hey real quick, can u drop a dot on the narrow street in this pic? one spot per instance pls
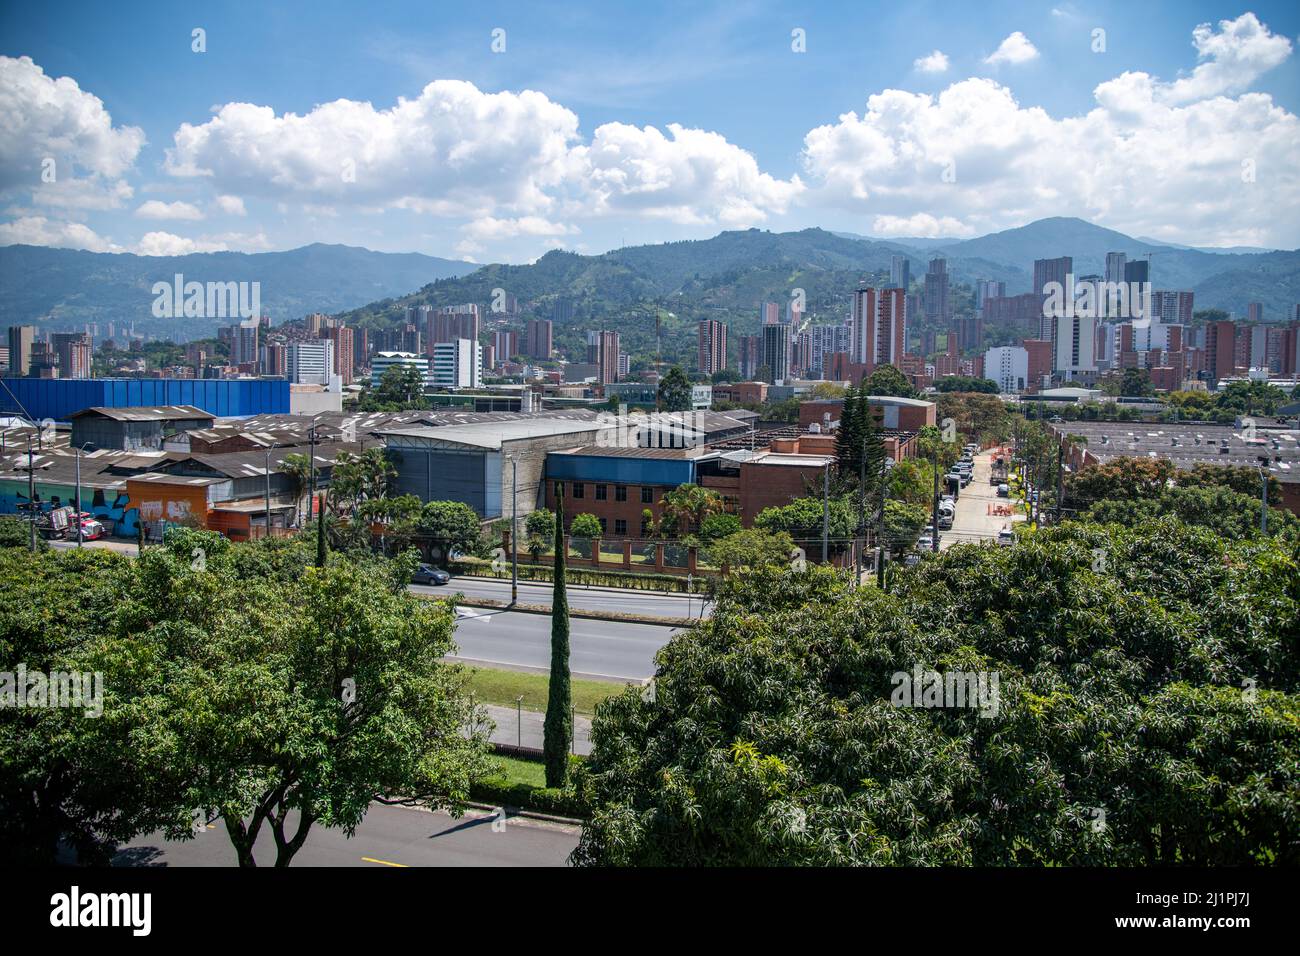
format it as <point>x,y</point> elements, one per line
<point>972,521</point>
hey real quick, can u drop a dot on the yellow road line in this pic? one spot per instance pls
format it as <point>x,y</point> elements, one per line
<point>371,859</point>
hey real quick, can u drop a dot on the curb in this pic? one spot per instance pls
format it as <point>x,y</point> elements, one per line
<point>545,609</point>
<point>526,814</point>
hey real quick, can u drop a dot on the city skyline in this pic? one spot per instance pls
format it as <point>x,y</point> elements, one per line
<point>443,135</point>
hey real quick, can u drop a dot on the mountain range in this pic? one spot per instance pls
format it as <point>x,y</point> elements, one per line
<point>723,277</point>
<point>67,288</point>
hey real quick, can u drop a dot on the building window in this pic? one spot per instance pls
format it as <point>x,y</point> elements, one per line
<point>620,527</point>
<point>579,490</point>
<point>602,525</point>
<point>620,492</point>
<point>647,496</point>
<point>602,492</point>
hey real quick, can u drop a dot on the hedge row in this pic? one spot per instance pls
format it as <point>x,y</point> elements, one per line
<point>476,567</point>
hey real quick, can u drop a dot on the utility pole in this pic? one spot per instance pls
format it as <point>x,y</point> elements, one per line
<point>880,529</point>
<point>77,516</point>
<point>268,492</point>
<point>1263,496</point>
<point>1060,478</point>
<point>311,460</point>
<point>934,508</point>
<point>826,513</point>
<point>514,530</point>
<point>31,493</point>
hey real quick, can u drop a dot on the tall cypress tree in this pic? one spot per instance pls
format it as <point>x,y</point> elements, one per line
<point>558,728</point>
<point>847,438</point>
<point>322,549</point>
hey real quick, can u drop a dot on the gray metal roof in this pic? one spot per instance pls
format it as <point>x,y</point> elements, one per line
<point>146,413</point>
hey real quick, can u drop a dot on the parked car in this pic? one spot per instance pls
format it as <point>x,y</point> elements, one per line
<point>945,520</point>
<point>428,574</point>
<point>1006,537</point>
<point>1003,491</point>
<point>925,542</point>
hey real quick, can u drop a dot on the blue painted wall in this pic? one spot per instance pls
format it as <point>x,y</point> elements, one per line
<point>622,471</point>
<point>60,398</point>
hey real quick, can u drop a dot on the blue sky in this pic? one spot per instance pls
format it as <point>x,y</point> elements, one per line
<point>644,125</point>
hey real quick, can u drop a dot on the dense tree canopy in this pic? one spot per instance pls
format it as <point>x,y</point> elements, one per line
<point>1146,712</point>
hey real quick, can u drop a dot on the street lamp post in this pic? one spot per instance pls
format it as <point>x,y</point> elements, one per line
<point>80,535</point>
<point>1263,495</point>
<point>268,493</point>
<point>514,530</point>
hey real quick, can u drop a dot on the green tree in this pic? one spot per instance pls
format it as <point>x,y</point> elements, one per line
<point>453,525</point>
<point>965,383</point>
<point>778,735</point>
<point>675,391</point>
<point>539,526</point>
<point>584,529</point>
<point>687,506</point>
<point>888,380</point>
<point>400,388</point>
<point>753,548</point>
<point>718,526</point>
<point>557,729</point>
<point>298,470</point>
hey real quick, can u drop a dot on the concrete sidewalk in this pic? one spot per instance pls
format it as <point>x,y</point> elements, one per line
<point>525,729</point>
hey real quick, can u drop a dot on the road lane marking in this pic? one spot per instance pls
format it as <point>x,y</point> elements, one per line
<point>371,859</point>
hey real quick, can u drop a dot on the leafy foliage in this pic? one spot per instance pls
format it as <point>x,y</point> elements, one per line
<point>1158,695</point>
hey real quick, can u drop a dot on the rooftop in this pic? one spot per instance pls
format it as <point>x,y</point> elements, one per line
<point>1189,444</point>
<point>145,413</point>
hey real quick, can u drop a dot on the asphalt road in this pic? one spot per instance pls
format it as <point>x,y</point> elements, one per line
<point>388,836</point>
<point>625,600</point>
<point>607,650</point>
<point>972,521</point>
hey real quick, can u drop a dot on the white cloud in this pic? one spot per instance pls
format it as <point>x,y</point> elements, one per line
<point>54,128</point>
<point>169,244</point>
<point>921,225</point>
<point>1015,49</point>
<point>455,151</point>
<point>230,205</point>
<point>696,177</point>
<point>491,228</point>
<point>1237,54</point>
<point>1136,162</point>
<point>936,62</point>
<point>156,209</point>
<point>39,231</point>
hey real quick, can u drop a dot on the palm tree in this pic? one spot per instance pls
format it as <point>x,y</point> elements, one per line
<point>688,505</point>
<point>298,470</point>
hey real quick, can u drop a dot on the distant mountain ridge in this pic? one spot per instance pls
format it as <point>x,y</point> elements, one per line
<point>67,288</point>
<point>723,277</point>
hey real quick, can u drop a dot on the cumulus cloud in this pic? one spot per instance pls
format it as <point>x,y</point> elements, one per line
<point>921,225</point>
<point>60,141</point>
<point>39,231</point>
<point>1015,49</point>
<point>457,151</point>
<point>156,209</point>
<point>692,177</point>
<point>230,205</point>
<point>1134,161</point>
<point>936,62</point>
<point>1235,56</point>
<point>169,244</point>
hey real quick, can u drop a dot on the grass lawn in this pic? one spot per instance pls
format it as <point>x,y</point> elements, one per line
<point>530,773</point>
<point>502,687</point>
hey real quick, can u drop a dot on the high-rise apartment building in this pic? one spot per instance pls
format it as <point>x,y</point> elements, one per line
<point>21,338</point>
<point>1220,350</point>
<point>712,346</point>
<point>539,342</point>
<point>900,273</point>
<point>751,356</point>
<point>937,307</point>
<point>776,351</point>
<point>1048,272</point>
<point>879,326</point>
<point>344,360</point>
<point>606,357</point>
<point>73,350</point>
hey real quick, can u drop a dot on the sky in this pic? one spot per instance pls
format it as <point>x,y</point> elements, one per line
<point>495,133</point>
